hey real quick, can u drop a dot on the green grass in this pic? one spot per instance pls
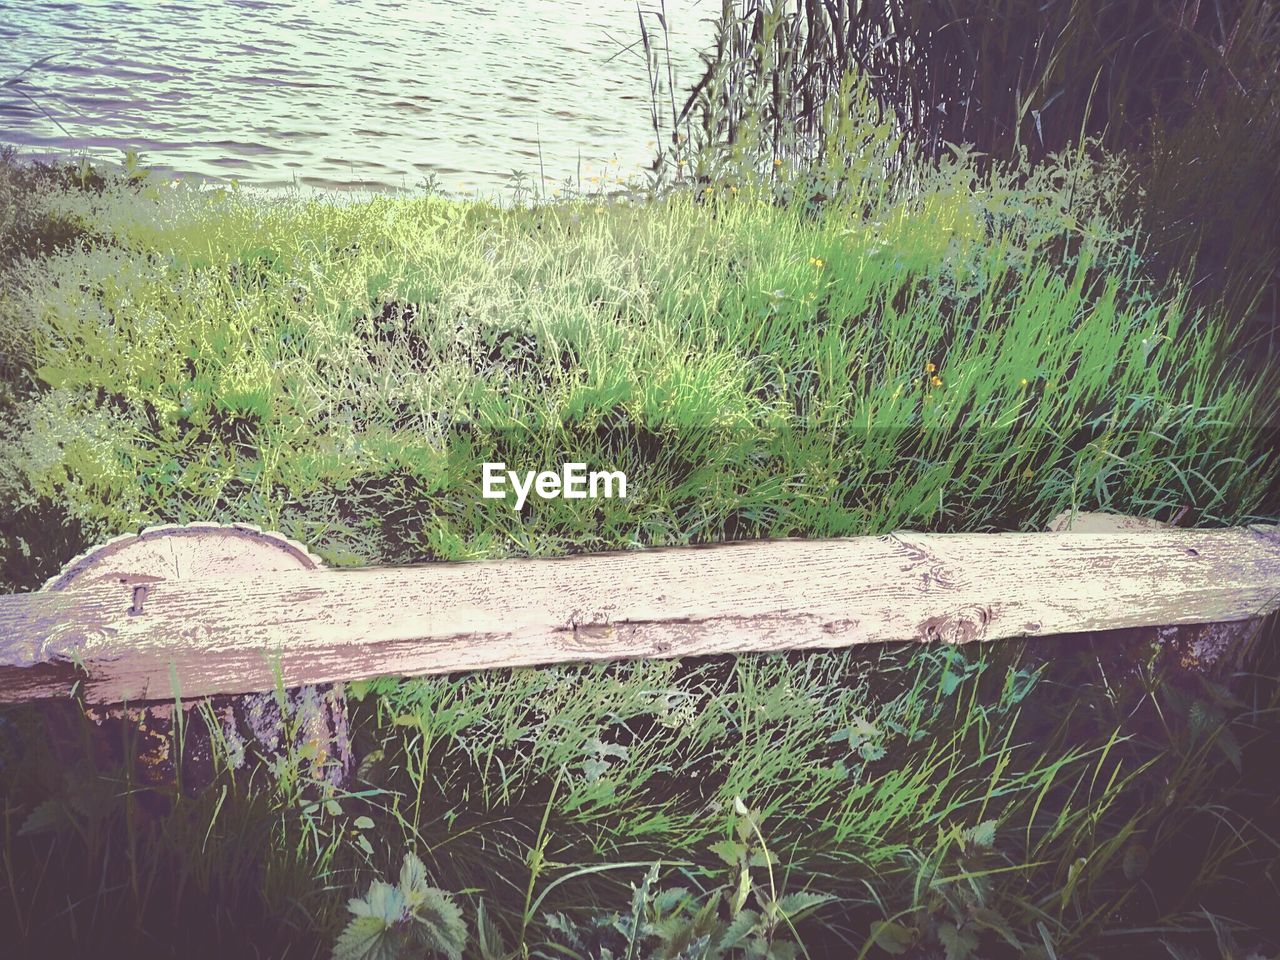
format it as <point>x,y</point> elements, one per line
<point>339,371</point>
<point>1018,797</point>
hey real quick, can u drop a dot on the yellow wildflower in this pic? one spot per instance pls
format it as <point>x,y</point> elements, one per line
<point>936,381</point>
<point>929,368</point>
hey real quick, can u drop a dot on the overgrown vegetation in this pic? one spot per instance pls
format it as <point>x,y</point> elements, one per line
<point>971,354</point>
<point>848,338</point>
<point>1014,801</point>
<point>1187,91</point>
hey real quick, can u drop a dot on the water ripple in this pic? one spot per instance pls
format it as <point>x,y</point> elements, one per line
<point>356,93</point>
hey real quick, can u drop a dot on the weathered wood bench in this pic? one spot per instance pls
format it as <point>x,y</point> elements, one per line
<point>185,613</point>
<point>197,610</point>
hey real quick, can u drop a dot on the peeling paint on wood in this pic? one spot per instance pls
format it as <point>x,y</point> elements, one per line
<point>228,633</point>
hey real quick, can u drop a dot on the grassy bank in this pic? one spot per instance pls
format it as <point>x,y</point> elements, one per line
<point>971,356</point>
<point>968,353</point>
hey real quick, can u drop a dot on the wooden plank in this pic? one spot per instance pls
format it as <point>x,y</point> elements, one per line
<point>237,634</point>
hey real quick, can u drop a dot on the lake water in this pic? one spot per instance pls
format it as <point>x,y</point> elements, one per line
<point>356,93</point>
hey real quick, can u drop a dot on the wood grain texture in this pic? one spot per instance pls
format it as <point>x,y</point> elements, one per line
<point>237,634</point>
<point>312,717</point>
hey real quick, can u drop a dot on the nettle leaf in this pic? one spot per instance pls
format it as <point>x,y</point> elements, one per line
<point>764,858</point>
<point>1202,718</point>
<point>559,923</point>
<point>730,851</point>
<point>488,936</point>
<point>616,750</point>
<point>857,733</point>
<point>738,930</point>
<point>413,874</point>
<point>368,764</point>
<point>1017,685</point>
<point>958,942</point>
<point>982,834</point>
<point>671,898</point>
<point>92,798</point>
<point>893,937</point>
<point>366,938</point>
<point>673,932</point>
<point>696,949</point>
<point>438,924</point>
<point>45,818</point>
<point>989,919</point>
<point>594,768</point>
<point>383,901</point>
<point>871,752</point>
<point>1230,747</point>
<point>794,904</point>
<point>1220,693</point>
<point>863,729</point>
<point>707,919</point>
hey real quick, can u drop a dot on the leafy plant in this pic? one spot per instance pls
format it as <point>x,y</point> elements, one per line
<point>746,917</point>
<point>409,919</point>
<point>1016,73</point>
<point>953,912</point>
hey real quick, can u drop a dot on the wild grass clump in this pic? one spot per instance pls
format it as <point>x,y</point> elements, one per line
<point>1000,77</point>
<point>972,355</point>
<point>1187,93</point>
